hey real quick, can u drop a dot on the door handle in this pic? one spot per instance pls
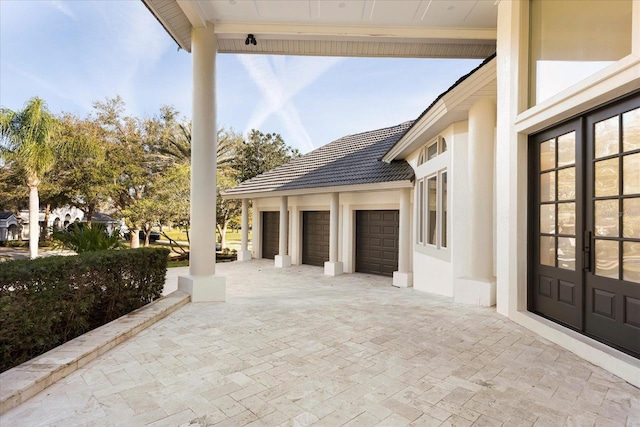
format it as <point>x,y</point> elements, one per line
<point>586,252</point>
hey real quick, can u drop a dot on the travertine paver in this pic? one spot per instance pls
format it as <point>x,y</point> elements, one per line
<point>293,347</point>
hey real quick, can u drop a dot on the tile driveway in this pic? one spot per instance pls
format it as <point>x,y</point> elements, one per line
<point>294,347</point>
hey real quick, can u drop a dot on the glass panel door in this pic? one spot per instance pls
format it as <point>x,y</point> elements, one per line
<point>612,285</point>
<point>557,247</point>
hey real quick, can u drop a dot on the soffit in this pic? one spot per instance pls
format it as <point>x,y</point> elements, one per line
<point>400,28</point>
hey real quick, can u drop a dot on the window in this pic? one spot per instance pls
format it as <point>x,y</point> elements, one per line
<point>431,202</point>
<point>571,41</point>
<point>432,150</point>
<point>443,203</point>
<point>432,209</point>
<point>431,195</point>
<point>420,215</point>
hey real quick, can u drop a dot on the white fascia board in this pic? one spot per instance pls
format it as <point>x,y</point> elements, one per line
<point>346,33</point>
<point>193,11</point>
<point>167,25</point>
<point>618,79</point>
<point>378,186</point>
<point>444,112</point>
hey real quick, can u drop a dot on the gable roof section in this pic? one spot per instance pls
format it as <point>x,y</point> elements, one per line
<point>6,215</point>
<point>447,108</point>
<point>349,161</point>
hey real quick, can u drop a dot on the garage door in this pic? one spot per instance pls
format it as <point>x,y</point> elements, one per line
<point>377,242</point>
<point>315,237</point>
<point>270,234</point>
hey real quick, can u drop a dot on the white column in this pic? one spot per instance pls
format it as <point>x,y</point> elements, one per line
<point>482,121</point>
<point>479,286</point>
<point>404,276</point>
<point>244,254</point>
<point>283,259</point>
<point>511,158</point>
<point>201,282</point>
<point>333,267</point>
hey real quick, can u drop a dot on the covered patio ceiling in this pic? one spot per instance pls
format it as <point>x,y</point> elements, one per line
<point>372,28</point>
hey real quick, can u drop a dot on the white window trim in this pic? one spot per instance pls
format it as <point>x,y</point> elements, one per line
<point>429,169</point>
<point>419,203</point>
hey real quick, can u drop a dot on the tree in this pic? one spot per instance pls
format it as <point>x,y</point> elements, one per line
<point>176,147</point>
<point>226,210</point>
<point>176,152</point>
<point>29,143</point>
<point>171,194</point>
<point>13,193</point>
<point>261,153</point>
<point>132,144</point>
<point>88,182</point>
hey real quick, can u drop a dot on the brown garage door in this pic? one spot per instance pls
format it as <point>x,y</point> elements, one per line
<point>270,234</point>
<point>315,237</point>
<point>377,242</point>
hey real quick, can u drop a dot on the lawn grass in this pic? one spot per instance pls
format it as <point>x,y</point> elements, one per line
<point>175,234</point>
<point>181,236</point>
<point>181,263</point>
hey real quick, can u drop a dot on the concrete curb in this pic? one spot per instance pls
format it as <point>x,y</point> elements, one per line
<point>28,379</point>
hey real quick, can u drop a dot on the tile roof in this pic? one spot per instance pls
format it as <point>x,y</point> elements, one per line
<point>350,160</point>
<point>101,217</point>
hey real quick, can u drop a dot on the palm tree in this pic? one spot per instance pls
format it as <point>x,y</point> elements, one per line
<point>28,141</point>
<point>178,147</point>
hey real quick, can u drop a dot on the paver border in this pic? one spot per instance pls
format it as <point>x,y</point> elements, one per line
<point>28,379</point>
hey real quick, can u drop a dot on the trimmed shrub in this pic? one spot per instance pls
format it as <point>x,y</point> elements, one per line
<point>47,301</point>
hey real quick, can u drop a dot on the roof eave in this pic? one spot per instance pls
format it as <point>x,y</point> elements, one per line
<point>443,110</point>
<point>375,186</point>
<point>183,42</point>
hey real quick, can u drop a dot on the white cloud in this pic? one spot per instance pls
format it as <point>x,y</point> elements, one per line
<point>280,79</point>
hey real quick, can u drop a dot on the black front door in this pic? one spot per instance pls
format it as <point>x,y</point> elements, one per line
<point>585,224</point>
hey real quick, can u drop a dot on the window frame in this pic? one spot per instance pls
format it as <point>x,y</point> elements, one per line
<point>435,169</point>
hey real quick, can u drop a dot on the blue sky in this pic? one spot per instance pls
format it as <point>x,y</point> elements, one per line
<point>74,53</point>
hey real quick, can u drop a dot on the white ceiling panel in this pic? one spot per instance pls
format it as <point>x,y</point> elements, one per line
<point>234,11</point>
<point>461,14</point>
<point>283,11</point>
<point>376,27</point>
<point>344,12</point>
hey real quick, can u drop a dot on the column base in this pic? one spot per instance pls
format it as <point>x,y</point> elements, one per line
<point>244,255</point>
<point>283,261</point>
<point>402,280</point>
<point>480,292</point>
<point>333,268</point>
<point>204,288</point>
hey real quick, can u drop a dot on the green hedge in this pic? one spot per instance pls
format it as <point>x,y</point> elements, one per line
<point>48,301</point>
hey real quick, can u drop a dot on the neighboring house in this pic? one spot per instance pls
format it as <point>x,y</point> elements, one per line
<point>60,218</point>
<point>8,226</point>
<point>547,224</point>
